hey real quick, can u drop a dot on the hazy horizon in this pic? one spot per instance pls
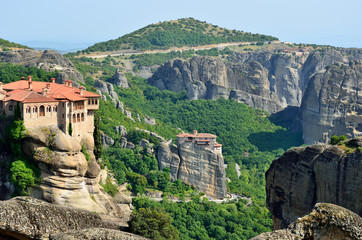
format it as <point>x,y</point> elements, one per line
<point>79,24</point>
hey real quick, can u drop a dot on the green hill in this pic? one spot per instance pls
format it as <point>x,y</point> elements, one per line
<point>178,33</point>
<point>4,44</point>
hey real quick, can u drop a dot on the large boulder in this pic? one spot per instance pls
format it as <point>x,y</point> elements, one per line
<point>326,221</point>
<point>25,217</point>
<point>303,176</point>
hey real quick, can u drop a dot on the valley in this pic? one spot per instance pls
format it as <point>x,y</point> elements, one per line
<point>260,97</point>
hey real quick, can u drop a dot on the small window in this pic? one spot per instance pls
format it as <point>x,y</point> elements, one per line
<point>63,116</point>
<point>82,117</point>
<point>96,101</point>
<point>35,109</point>
<point>89,102</point>
<point>92,101</point>
<point>78,117</point>
<point>49,108</point>
<point>55,109</point>
<point>27,109</point>
<point>63,105</point>
<point>11,108</point>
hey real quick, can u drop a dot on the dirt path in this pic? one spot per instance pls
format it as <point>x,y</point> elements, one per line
<point>131,52</point>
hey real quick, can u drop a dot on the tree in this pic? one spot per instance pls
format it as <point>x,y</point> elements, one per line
<point>22,176</point>
<point>98,147</point>
<point>154,224</point>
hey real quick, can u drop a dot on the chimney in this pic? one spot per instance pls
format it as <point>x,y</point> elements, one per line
<point>66,83</point>
<point>44,92</point>
<point>81,88</point>
<point>22,78</point>
<point>195,132</point>
<point>52,80</point>
<point>30,83</point>
<point>70,83</point>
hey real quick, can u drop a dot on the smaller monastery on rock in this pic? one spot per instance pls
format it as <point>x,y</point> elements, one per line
<point>205,140</point>
<point>50,104</point>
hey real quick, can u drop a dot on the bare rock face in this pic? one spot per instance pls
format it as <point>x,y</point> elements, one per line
<point>119,79</point>
<point>26,217</point>
<point>326,221</point>
<point>96,233</point>
<point>194,165</point>
<point>48,60</point>
<point>306,175</point>
<point>212,78</point>
<point>332,104</point>
<point>67,178</point>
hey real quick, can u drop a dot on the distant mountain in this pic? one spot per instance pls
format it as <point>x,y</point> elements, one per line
<point>61,47</point>
<point>177,33</point>
<point>4,44</point>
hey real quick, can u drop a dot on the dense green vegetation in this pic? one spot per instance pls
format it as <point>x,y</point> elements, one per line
<point>10,73</point>
<point>153,224</point>
<point>182,32</point>
<point>5,44</point>
<point>203,219</point>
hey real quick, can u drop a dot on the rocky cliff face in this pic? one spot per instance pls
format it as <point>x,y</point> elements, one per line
<point>332,103</point>
<point>306,175</point>
<point>194,165</point>
<point>274,81</point>
<point>68,178</point>
<point>48,60</point>
<point>29,218</point>
<point>326,221</point>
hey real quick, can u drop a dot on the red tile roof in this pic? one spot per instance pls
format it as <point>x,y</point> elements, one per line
<point>19,91</point>
<point>197,135</point>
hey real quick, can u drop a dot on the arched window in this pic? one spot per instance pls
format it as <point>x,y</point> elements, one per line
<point>49,108</point>
<point>27,109</point>
<point>92,101</point>
<point>78,117</point>
<point>41,111</point>
<point>82,117</point>
<point>96,102</point>
<point>89,102</point>
<point>55,109</point>
<point>35,109</point>
<point>74,118</point>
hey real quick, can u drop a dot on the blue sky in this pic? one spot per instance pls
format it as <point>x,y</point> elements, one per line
<point>337,23</point>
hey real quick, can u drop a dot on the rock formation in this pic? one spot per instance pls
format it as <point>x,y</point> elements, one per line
<point>304,176</point>
<point>29,218</point>
<point>119,79</point>
<point>194,165</point>
<point>326,221</point>
<point>274,81</point>
<point>332,103</point>
<point>68,178</point>
<point>48,60</point>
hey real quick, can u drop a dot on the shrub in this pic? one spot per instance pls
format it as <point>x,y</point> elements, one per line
<point>22,176</point>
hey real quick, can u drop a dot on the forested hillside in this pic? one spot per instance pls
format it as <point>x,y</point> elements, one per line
<point>178,33</point>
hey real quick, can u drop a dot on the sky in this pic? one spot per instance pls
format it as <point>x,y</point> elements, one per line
<point>75,23</point>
